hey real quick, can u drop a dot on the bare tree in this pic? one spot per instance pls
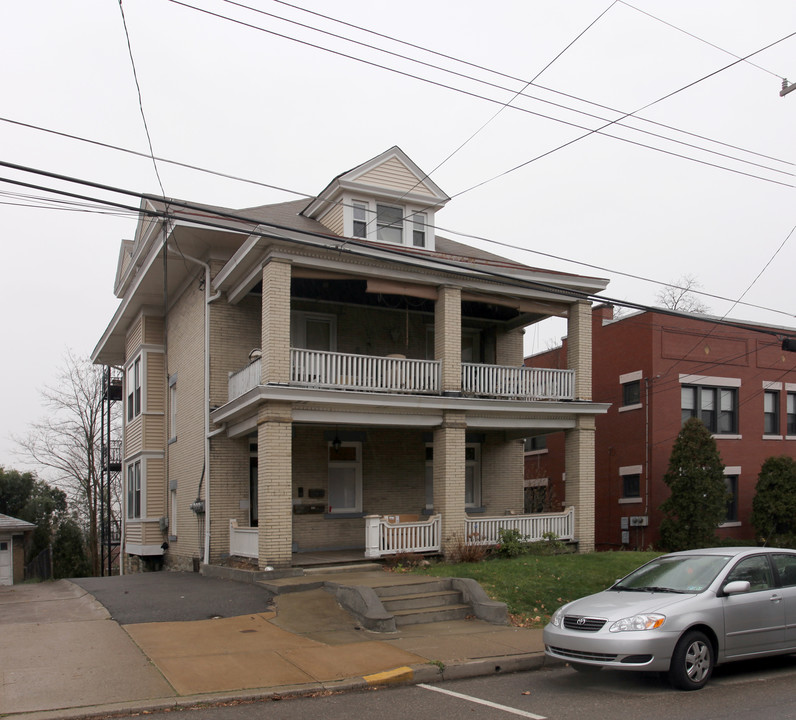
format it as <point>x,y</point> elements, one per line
<point>67,444</point>
<point>680,295</point>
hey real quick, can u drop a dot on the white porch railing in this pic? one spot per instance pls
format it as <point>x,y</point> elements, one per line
<point>242,381</point>
<point>316,368</point>
<point>486,530</point>
<point>517,382</point>
<point>243,541</point>
<point>383,537</point>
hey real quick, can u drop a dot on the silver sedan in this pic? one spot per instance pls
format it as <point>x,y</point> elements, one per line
<point>683,614</point>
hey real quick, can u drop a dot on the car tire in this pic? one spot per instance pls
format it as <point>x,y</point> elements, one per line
<point>586,669</point>
<point>692,661</point>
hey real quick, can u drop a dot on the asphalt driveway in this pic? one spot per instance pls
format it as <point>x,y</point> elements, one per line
<point>175,597</point>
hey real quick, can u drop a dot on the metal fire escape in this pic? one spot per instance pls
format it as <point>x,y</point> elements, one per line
<point>110,471</point>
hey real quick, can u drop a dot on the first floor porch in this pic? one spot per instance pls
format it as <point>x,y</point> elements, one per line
<point>387,535</point>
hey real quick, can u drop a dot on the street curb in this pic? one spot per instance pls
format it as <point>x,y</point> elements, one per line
<point>407,675</point>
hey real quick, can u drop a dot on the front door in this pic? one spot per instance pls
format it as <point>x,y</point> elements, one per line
<point>6,574</point>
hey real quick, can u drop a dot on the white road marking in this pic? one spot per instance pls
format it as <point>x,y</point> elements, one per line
<point>505,708</point>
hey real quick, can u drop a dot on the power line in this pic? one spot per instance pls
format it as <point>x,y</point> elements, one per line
<point>645,107</point>
<point>696,37</point>
<point>472,94</point>
<point>513,78</point>
<point>457,233</point>
<point>140,99</point>
<point>176,163</point>
<point>201,215</point>
<point>496,114</point>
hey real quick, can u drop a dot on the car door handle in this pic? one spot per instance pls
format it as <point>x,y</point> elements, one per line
<point>775,597</point>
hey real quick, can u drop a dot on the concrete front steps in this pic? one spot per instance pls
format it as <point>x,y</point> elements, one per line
<point>433,601</point>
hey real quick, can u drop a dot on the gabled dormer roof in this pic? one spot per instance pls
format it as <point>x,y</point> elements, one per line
<point>392,175</point>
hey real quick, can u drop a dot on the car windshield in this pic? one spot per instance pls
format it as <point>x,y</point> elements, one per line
<point>675,574</point>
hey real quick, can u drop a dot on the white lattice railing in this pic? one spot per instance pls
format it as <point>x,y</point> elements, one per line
<point>517,382</point>
<point>243,541</point>
<point>317,368</point>
<point>383,537</point>
<point>486,530</point>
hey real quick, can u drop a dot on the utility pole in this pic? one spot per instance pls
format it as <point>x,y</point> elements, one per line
<point>786,88</point>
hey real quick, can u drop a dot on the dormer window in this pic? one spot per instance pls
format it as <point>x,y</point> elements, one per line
<point>393,224</point>
<point>360,228</point>
<point>389,224</point>
<point>419,229</point>
<point>387,199</point>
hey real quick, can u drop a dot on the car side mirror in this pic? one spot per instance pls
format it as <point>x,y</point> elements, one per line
<point>736,587</point>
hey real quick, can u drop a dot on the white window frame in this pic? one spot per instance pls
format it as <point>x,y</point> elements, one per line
<point>419,228</point>
<point>397,226</point>
<point>359,208</point>
<point>413,217</point>
<point>356,465</point>
<point>134,395</point>
<point>134,473</point>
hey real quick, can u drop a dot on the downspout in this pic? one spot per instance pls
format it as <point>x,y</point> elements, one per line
<point>208,299</point>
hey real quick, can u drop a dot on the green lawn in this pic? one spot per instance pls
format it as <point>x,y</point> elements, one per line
<point>533,586</point>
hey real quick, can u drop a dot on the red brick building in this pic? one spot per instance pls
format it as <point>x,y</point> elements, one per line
<point>657,370</point>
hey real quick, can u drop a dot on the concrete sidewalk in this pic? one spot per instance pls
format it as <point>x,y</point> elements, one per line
<point>65,657</point>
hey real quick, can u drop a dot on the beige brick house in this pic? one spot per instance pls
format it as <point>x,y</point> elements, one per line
<point>333,375</point>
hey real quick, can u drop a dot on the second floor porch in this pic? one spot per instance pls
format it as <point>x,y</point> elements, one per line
<point>397,374</point>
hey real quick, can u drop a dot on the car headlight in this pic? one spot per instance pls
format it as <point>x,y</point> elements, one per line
<point>648,621</point>
<point>557,618</point>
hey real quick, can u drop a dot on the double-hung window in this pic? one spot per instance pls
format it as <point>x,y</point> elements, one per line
<point>419,229</point>
<point>134,490</point>
<point>716,407</point>
<point>389,224</point>
<point>771,412</point>
<point>791,411</point>
<point>134,389</point>
<point>360,227</point>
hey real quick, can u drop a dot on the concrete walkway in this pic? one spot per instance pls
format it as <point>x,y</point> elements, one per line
<point>64,656</point>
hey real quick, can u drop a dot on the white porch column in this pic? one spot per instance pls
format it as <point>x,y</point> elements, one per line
<point>449,480</point>
<point>448,337</point>
<point>274,483</point>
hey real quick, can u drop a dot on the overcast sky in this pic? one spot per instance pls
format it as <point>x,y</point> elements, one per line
<point>706,189</point>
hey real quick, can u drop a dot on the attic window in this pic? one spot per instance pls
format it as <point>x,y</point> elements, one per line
<point>389,224</point>
<point>419,229</point>
<point>360,220</point>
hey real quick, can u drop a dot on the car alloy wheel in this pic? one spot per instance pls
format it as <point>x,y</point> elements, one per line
<point>692,661</point>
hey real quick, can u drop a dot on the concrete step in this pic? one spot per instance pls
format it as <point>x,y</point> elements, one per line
<point>425,586</point>
<point>431,615</point>
<point>348,567</point>
<point>419,601</point>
